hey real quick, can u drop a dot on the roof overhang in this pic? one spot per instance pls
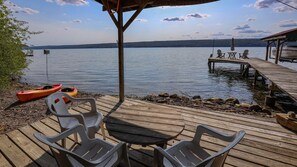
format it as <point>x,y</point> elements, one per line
<point>288,35</point>
<point>131,5</point>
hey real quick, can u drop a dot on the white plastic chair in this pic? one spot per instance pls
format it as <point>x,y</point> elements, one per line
<point>89,152</point>
<point>92,121</point>
<point>190,153</point>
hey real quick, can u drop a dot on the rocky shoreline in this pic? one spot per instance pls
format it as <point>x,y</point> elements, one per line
<point>227,105</point>
<point>14,114</point>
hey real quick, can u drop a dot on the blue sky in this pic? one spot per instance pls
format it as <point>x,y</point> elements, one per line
<point>83,21</point>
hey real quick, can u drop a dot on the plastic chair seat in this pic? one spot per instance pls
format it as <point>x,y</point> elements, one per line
<point>191,154</point>
<point>89,152</point>
<point>187,153</point>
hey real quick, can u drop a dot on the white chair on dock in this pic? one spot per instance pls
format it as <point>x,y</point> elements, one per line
<point>244,55</point>
<point>89,152</point>
<point>191,154</point>
<point>92,121</point>
<point>220,54</point>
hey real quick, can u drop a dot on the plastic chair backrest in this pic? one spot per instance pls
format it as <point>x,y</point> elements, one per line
<point>57,106</point>
<point>218,159</point>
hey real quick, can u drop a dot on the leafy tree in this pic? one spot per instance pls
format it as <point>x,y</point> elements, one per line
<point>13,33</point>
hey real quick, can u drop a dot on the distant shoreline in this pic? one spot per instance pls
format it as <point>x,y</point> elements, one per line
<point>158,44</point>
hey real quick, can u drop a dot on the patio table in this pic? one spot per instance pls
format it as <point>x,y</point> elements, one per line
<point>232,54</point>
<point>145,126</point>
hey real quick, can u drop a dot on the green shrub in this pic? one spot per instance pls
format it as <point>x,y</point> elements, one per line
<point>13,33</point>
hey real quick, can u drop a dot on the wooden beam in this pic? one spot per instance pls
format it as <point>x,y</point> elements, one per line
<point>267,50</point>
<point>277,51</point>
<point>121,53</point>
<point>105,4</point>
<point>275,38</point>
<point>127,5</point>
<point>255,78</point>
<point>136,13</point>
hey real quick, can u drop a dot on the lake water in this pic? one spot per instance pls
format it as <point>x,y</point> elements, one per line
<point>147,71</point>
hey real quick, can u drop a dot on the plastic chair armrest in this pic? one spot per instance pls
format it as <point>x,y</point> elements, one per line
<point>92,102</point>
<point>205,129</point>
<point>79,117</point>
<point>66,133</point>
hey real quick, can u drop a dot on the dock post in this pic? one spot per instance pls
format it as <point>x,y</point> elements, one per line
<point>209,65</point>
<point>213,66</point>
<point>255,78</point>
<point>272,88</point>
<point>241,67</point>
<point>269,101</point>
<point>245,72</point>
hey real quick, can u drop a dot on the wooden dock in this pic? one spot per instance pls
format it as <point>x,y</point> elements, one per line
<point>265,144</point>
<point>282,77</point>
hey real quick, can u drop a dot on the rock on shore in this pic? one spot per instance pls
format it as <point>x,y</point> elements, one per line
<point>228,105</point>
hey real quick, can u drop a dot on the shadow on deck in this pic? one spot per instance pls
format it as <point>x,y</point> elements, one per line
<point>265,144</point>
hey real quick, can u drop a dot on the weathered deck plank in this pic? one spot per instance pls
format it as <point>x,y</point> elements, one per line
<point>33,151</point>
<point>15,155</point>
<point>266,142</point>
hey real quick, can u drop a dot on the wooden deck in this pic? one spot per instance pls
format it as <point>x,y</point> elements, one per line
<point>265,144</point>
<point>284,78</point>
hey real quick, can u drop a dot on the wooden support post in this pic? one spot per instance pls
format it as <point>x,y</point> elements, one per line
<point>241,67</point>
<point>141,7</point>
<point>269,101</point>
<point>245,72</point>
<point>255,78</point>
<point>267,50</point>
<point>213,66</point>
<point>277,51</point>
<point>121,53</point>
<point>271,88</point>
<point>209,66</point>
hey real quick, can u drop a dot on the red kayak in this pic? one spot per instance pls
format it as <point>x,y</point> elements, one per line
<point>27,95</point>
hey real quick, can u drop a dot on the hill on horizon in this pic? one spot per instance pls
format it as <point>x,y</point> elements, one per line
<point>175,43</point>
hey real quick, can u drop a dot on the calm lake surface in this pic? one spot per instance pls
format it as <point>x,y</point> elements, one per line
<point>147,70</point>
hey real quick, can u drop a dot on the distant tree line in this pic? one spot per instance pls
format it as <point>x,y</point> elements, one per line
<point>180,43</point>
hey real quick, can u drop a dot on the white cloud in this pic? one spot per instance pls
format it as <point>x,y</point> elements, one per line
<point>250,31</point>
<point>275,5</point>
<point>188,16</point>
<point>58,34</point>
<point>173,19</point>
<point>281,9</point>
<point>260,4</point>
<point>77,21</point>
<point>69,2</point>
<point>218,34</point>
<point>251,19</point>
<point>141,20</point>
<point>172,7</point>
<point>288,23</point>
<point>242,27</point>
<point>15,8</point>
<point>197,15</point>
<point>248,5</point>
